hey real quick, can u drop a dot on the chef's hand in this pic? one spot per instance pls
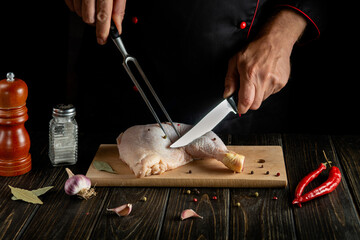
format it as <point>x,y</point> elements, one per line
<point>263,67</point>
<point>99,13</point>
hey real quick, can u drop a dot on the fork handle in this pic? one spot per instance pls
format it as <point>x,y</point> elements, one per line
<point>114,33</point>
<point>115,36</point>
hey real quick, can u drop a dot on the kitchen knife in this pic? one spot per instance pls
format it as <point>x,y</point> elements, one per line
<point>208,122</point>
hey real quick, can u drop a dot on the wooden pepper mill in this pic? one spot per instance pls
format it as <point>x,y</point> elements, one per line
<point>14,139</point>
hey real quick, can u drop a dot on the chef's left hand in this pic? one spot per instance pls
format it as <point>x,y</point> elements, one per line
<point>263,67</point>
<point>100,13</point>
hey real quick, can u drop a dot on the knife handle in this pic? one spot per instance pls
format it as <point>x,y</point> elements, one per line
<point>232,101</point>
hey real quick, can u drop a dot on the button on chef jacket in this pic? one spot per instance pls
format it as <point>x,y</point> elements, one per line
<point>184,48</point>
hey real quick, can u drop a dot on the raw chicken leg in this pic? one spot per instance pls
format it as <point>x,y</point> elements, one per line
<point>145,149</point>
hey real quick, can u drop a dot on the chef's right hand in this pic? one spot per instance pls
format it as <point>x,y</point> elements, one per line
<point>99,13</point>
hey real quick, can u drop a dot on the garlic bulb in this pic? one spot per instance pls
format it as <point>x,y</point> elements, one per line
<point>79,185</point>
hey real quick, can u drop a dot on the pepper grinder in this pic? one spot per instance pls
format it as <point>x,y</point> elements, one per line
<point>14,139</point>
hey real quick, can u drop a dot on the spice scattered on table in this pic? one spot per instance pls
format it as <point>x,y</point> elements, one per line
<point>267,173</point>
<point>277,174</point>
<point>252,172</point>
<point>262,166</point>
<point>196,191</point>
<point>188,213</point>
<point>261,161</point>
<point>189,172</point>
<point>122,211</point>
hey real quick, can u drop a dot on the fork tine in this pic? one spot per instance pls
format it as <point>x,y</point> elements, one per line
<point>127,58</point>
<point>143,95</point>
<point>155,95</point>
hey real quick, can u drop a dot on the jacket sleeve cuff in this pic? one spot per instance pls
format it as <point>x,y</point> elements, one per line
<point>312,31</point>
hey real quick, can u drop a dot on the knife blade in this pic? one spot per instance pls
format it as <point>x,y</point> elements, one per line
<point>208,122</point>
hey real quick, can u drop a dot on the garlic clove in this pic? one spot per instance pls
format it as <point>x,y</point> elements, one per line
<point>188,213</point>
<point>123,210</point>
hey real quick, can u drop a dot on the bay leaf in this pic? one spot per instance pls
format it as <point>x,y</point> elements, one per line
<point>103,166</point>
<point>25,195</point>
<point>38,192</point>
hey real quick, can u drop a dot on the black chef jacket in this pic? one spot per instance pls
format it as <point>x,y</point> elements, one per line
<point>184,48</point>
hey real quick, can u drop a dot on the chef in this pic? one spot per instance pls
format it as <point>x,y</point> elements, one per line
<point>198,51</point>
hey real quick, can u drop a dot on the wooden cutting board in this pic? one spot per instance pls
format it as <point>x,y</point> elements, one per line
<point>204,173</point>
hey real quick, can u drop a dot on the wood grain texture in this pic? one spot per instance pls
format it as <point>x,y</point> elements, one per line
<point>260,217</point>
<point>322,217</point>
<point>144,221</point>
<point>215,222</point>
<point>348,151</point>
<point>333,216</point>
<point>205,172</point>
<point>16,215</point>
<point>63,216</point>
<point>69,217</point>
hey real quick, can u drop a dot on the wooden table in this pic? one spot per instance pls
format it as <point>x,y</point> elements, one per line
<point>334,216</point>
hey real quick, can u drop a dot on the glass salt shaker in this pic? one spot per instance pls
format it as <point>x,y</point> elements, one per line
<point>63,136</point>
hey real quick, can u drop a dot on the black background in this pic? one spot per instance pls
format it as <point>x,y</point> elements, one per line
<point>37,44</point>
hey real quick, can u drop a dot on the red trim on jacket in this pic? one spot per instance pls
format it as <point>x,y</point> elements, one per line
<point>257,5</point>
<point>286,5</point>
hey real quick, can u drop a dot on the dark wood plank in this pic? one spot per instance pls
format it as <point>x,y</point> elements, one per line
<point>16,215</point>
<point>332,216</point>
<point>65,217</point>
<point>262,216</point>
<point>68,217</point>
<point>145,220</point>
<point>348,150</point>
<point>214,224</point>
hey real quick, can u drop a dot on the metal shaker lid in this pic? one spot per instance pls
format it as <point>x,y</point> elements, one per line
<point>64,110</point>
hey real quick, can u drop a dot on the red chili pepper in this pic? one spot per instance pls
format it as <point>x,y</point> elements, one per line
<point>327,187</point>
<point>307,179</point>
